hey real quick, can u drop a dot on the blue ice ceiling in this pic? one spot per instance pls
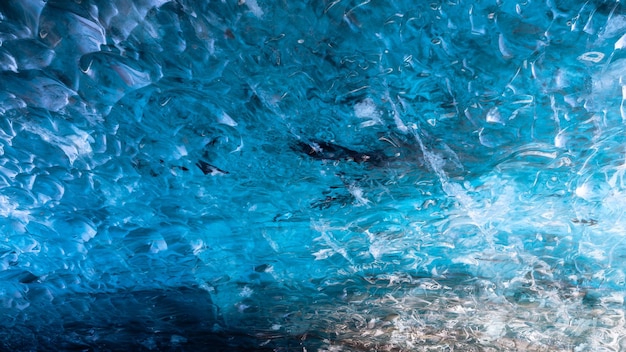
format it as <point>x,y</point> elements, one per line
<point>312,175</point>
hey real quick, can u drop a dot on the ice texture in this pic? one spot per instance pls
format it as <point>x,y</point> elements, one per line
<point>312,175</point>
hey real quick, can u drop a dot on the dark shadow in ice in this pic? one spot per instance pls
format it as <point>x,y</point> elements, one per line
<point>209,169</point>
<point>322,150</point>
<point>175,319</point>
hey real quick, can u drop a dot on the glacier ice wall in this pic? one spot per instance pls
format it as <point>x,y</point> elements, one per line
<point>316,175</point>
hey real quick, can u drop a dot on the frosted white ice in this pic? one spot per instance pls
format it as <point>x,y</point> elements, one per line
<point>368,111</point>
<point>254,7</point>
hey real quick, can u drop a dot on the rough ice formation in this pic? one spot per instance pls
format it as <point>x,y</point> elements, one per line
<point>324,175</point>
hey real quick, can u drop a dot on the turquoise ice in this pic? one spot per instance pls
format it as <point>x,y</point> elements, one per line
<point>312,175</point>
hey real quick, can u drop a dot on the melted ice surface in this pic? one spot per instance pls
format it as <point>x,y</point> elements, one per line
<point>333,175</point>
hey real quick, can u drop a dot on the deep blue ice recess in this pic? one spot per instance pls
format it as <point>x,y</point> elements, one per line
<point>312,175</point>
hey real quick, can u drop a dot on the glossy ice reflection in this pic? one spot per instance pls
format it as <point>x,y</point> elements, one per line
<point>340,175</point>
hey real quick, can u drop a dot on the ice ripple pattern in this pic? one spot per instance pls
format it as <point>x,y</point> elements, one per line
<point>324,175</point>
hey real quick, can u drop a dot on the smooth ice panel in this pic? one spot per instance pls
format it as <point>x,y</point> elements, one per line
<point>319,176</point>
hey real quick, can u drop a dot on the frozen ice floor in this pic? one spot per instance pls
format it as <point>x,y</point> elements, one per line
<point>312,175</point>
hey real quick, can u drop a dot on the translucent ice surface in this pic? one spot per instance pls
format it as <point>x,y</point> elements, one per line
<point>339,175</point>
